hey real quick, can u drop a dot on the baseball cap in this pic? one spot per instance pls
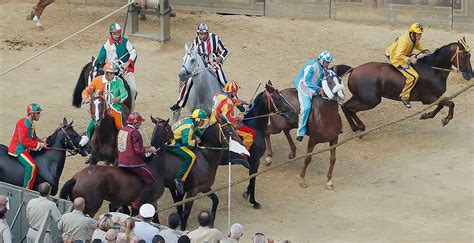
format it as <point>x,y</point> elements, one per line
<point>147,210</point>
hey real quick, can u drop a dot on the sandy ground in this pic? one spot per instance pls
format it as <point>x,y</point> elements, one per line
<point>410,182</point>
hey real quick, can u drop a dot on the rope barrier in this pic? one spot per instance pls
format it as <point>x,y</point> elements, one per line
<point>65,39</point>
<point>318,151</point>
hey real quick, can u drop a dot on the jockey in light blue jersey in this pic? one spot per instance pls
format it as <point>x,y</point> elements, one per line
<point>308,83</point>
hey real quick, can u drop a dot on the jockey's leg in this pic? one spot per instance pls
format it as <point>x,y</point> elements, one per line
<point>183,94</point>
<point>188,157</point>
<point>149,180</point>
<point>29,165</point>
<point>130,79</point>
<point>247,134</point>
<point>221,76</point>
<point>117,119</point>
<point>305,109</point>
<point>90,129</point>
<point>411,77</point>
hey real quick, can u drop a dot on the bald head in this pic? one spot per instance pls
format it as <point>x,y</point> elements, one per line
<point>44,189</point>
<point>111,235</point>
<point>79,204</point>
<point>3,200</point>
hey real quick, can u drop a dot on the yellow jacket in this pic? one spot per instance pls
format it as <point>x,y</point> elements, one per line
<point>400,50</point>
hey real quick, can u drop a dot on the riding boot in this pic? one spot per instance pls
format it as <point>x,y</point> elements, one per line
<point>175,107</point>
<point>179,186</point>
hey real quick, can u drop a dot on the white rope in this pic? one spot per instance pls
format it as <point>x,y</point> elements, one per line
<point>65,39</point>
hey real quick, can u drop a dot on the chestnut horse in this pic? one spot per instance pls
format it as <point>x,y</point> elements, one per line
<point>370,82</point>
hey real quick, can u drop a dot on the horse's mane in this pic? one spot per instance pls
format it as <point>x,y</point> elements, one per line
<point>438,56</point>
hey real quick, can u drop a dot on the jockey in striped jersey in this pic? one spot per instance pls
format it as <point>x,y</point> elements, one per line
<point>214,52</point>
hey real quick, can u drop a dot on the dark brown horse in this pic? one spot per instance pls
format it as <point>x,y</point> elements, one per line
<point>324,126</point>
<point>370,82</point>
<point>98,183</point>
<point>104,139</point>
<point>203,174</point>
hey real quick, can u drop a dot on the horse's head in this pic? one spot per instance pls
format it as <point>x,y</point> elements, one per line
<point>190,64</point>
<point>98,109</point>
<point>461,58</point>
<point>333,88</point>
<point>68,138</point>
<point>277,102</point>
<point>162,132</point>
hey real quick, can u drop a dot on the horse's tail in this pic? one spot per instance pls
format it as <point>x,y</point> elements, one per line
<point>341,70</point>
<point>80,86</point>
<point>66,191</point>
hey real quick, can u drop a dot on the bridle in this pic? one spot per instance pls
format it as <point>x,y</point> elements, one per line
<point>96,103</point>
<point>67,139</point>
<point>190,74</point>
<point>271,104</point>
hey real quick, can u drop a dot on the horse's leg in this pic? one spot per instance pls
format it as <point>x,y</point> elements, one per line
<point>215,203</point>
<point>332,163</point>
<point>187,211</point>
<point>250,193</point>
<point>348,113</point>
<point>291,155</point>
<point>440,106</point>
<point>355,105</point>
<point>177,198</point>
<point>39,8</point>
<point>311,144</point>
<point>268,160</point>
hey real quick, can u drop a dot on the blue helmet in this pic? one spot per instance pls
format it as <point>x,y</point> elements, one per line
<point>325,56</point>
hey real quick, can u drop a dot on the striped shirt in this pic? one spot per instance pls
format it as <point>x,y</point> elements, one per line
<point>213,45</point>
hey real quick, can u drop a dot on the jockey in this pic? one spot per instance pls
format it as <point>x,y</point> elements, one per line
<point>23,140</point>
<point>308,83</point>
<point>113,89</point>
<point>214,52</point>
<point>119,47</point>
<point>399,54</point>
<point>186,137</point>
<point>131,153</point>
<point>224,104</point>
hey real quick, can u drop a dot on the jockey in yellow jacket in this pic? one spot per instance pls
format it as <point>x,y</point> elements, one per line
<point>224,104</point>
<point>399,54</point>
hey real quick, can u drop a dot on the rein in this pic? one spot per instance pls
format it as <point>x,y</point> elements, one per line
<point>73,151</point>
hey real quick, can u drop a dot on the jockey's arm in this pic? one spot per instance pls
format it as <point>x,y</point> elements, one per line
<point>222,50</point>
<point>25,140</point>
<point>228,111</point>
<point>399,56</point>
<point>309,72</point>
<point>123,92</point>
<point>86,93</point>
<point>187,138</point>
<point>133,54</point>
<point>137,142</point>
<point>101,57</point>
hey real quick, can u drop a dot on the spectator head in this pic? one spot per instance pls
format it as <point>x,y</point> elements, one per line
<point>44,189</point>
<point>105,223</point>
<point>67,238</point>
<point>205,218</point>
<point>3,211</point>
<point>259,238</point>
<point>158,239</point>
<point>236,231</point>
<point>147,211</point>
<point>129,225</point>
<point>79,204</point>
<point>184,239</point>
<point>111,236</point>
<point>173,220</point>
<point>141,241</point>
<point>4,202</point>
<point>96,241</point>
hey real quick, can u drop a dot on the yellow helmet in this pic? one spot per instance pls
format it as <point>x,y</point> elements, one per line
<point>231,86</point>
<point>416,28</point>
<point>199,114</point>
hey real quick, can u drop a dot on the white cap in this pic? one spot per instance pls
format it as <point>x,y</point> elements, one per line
<point>147,210</point>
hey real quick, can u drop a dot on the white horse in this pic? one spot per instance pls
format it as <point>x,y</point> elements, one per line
<point>202,81</point>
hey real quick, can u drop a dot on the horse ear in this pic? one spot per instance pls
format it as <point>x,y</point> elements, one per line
<point>269,87</point>
<point>153,119</point>
<point>70,124</point>
<point>167,121</point>
<point>270,82</point>
<point>64,121</point>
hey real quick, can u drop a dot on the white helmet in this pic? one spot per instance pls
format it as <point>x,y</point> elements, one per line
<point>202,28</point>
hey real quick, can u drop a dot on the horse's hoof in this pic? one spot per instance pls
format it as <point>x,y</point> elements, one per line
<point>329,186</point>
<point>445,121</point>
<point>291,155</point>
<point>424,116</point>
<point>245,195</point>
<point>257,205</point>
<point>268,161</point>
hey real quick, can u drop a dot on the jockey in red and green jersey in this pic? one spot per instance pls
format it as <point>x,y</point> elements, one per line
<point>119,47</point>
<point>23,140</point>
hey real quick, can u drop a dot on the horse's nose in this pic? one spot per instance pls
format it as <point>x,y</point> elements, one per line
<point>467,75</point>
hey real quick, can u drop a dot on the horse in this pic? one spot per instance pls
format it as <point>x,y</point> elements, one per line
<point>324,125</point>
<point>97,183</point>
<point>370,82</point>
<point>267,103</point>
<point>38,10</point>
<point>49,161</point>
<point>104,139</point>
<point>202,175</point>
<point>85,78</point>
<point>203,84</point>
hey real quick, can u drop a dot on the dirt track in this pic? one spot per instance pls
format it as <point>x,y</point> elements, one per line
<point>410,182</point>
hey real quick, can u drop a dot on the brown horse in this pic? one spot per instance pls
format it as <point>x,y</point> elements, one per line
<point>38,10</point>
<point>98,183</point>
<point>370,82</point>
<point>324,126</point>
<point>104,138</point>
<point>203,174</point>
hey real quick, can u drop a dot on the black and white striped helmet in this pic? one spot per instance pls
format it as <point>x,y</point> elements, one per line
<point>202,28</point>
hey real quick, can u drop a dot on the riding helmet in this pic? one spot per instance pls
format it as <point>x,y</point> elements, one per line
<point>33,108</point>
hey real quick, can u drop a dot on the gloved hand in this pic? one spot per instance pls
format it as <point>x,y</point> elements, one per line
<point>241,108</point>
